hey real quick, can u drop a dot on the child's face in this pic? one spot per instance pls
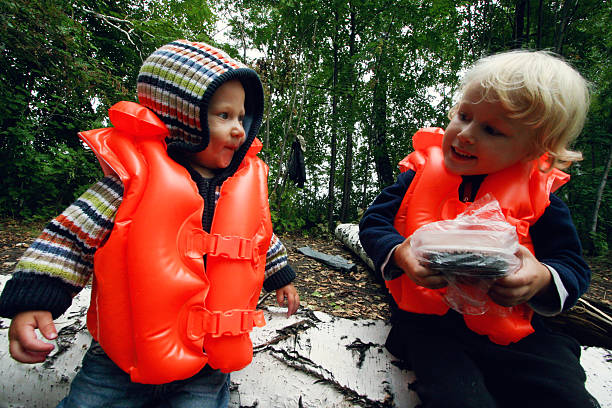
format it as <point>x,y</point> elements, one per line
<point>482,139</point>
<point>225,116</point>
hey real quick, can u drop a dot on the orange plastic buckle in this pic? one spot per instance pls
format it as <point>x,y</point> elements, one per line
<point>232,322</point>
<point>232,247</point>
<point>229,247</point>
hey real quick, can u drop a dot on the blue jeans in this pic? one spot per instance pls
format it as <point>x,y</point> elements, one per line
<point>101,383</point>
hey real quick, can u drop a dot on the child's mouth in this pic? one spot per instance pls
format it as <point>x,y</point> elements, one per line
<point>461,154</point>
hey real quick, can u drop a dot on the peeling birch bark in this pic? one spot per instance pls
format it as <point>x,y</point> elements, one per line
<point>44,385</point>
<point>309,360</point>
<point>348,234</point>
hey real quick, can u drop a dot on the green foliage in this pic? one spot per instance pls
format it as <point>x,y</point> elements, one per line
<point>600,243</point>
<point>62,64</point>
<point>39,183</point>
<point>288,218</point>
<point>414,52</point>
<point>366,74</point>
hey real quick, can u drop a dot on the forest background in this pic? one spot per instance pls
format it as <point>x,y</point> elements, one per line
<point>351,80</point>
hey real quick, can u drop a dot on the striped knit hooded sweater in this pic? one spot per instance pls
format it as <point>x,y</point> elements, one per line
<point>176,82</point>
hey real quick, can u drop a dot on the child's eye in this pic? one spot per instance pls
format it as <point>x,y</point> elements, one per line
<point>241,119</point>
<point>492,131</point>
<point>462,116</point>
<point>223,115</point>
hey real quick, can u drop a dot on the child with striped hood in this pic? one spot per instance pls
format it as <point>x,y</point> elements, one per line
<point>211,108</point>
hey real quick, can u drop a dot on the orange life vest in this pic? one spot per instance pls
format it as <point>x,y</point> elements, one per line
<point>156,311</point>
<point>523,193</point>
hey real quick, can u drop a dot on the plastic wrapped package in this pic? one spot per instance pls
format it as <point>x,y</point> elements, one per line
<point>471,251</point>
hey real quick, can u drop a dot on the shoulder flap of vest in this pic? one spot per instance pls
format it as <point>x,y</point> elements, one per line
<point>130,121</point>
<point>554,178</point>
<point>255,147</point>
<point>251,159</point>
<point>421,141</point>
<point>546,183</point>
<point>137,120</point>
<point>523,191</point>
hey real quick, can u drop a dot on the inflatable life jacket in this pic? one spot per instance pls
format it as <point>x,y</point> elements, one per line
<point>157,313</point>
<point>523,193</point>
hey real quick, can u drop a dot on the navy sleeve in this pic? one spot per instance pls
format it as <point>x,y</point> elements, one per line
<point>556,244</point>
<point>377,234</point>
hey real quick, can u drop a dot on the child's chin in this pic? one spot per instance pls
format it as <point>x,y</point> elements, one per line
<point>223,163</point>
<point>454,168</point>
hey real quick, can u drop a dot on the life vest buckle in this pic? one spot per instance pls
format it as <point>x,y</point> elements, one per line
<point>232,322</point>
<point>231,247</point>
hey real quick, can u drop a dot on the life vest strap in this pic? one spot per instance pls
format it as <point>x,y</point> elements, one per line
<point>522,226</point>
<point>231,247</point>
<point>229,323</point>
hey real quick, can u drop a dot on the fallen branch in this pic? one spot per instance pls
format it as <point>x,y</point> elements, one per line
<point>589,322</point>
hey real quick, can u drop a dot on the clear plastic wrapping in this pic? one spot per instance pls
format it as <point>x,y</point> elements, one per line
<point>471,251</point>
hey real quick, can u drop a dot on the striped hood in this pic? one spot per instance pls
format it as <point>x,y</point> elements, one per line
<point>177,82</point>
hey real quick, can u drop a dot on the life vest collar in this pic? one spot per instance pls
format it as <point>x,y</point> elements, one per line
<point>137,120</point>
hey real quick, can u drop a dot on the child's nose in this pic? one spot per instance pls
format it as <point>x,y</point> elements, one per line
<point>466,134</point>
<point>238,129</point>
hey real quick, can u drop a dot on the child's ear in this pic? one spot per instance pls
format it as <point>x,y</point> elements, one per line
<point>533,156</point>
<point>534,152</point>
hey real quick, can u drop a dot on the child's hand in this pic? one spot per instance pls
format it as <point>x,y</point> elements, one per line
<point>406,261</point>
<point>24,346</point>
<point>293,299</point>
<point>533,279</point>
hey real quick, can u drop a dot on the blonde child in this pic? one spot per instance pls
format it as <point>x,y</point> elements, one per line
<point>509,134</point>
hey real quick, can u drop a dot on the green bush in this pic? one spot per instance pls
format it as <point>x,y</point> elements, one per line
<point>39,184</point>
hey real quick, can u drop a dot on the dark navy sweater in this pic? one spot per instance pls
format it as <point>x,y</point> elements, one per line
<point>554,236</point>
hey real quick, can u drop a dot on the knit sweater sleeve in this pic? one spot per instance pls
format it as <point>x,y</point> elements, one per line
<point>59,263</point>
<point>278,271</point>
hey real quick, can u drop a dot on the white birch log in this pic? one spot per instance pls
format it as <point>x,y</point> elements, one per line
<point>309,360</point>
<point>348,234</point>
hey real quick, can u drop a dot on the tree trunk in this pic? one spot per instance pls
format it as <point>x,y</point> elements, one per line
<point>567,11</point>
<point>379,113</point>
<point>347,188</point>
<point>600,191</point>
<point>294,130</point>
<point>366,178</point>
<point>470,24</point>
<point>287,130</point>
<point>334,127</point>
<point>348,169</point>
<point>271,77</point>
<point>539,27</point>
<point>487,40</point>
<point>519,23</point>
<point>527,35</point>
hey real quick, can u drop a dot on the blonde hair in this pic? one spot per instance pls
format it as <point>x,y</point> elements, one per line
<point>542,91</point>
